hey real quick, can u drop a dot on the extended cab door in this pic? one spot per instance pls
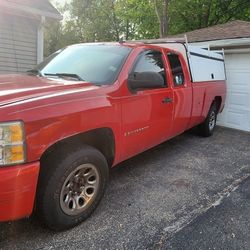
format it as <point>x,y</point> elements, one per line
<point>147,113</point>
<point>182,92</point>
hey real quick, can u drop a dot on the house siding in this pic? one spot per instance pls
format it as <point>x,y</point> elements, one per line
<point>18,43</point>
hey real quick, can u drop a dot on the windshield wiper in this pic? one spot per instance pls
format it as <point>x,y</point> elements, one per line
<point>35,72</point>
<point>65,75</point>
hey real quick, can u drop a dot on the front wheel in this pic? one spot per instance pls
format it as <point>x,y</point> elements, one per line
<point>71,188</point>
<point>207,127</point>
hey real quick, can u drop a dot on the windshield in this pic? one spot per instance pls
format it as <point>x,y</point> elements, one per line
<point>99,64</point>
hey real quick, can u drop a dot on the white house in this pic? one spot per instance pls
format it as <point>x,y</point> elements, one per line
<point>21,33</point>
<point>234,38</point>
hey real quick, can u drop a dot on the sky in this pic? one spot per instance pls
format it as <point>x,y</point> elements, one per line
<point>59,2</point>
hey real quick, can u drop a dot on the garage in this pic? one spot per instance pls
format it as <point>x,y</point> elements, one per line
<point>234,38</point>
<point>237,107</point>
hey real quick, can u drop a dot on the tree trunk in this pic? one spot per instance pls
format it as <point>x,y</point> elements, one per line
<point>115,22</point>
<point>162,15</point>
<point>207,14</point>
<point>165,19</point>
<point>127,29</point>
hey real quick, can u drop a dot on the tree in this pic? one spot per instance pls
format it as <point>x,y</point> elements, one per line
<point>161,10</point>
<point>113,20</point>
<point>94,20</point>
<point>187,15</point>
<point>138,19</point>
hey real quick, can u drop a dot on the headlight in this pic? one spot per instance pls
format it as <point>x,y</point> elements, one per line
<point>12,143</point>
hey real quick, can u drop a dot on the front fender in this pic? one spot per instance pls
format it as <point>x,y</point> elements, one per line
<point>48,122</point>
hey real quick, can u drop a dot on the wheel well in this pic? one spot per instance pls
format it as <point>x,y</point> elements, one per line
<point>101,139</point>
<point>218,101</point>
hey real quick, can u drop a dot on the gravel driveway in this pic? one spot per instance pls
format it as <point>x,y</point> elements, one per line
<point>151,196</point>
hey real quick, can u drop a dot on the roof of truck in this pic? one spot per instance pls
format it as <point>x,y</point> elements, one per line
<point>164,43</point>
<point>177,46</point>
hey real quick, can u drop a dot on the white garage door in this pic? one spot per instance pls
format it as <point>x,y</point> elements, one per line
<point>237,109</point>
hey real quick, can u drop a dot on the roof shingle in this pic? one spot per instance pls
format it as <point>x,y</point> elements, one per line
<point>230,30</point>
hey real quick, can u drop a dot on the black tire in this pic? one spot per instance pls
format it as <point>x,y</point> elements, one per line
<point>206,129</point>
<point>49,201</point>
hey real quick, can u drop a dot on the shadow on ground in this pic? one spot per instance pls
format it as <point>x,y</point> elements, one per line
<point>226,226</point>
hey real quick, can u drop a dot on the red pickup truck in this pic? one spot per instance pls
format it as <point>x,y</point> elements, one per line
<point>86,108</point>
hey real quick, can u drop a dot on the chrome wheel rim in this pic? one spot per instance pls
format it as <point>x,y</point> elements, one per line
<point>212,120</point>
<point>79,189</point>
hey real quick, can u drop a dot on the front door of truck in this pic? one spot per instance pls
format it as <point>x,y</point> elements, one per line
<point>147,113</point>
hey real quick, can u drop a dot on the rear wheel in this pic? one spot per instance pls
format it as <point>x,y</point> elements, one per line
<point>207,127</point>
<point>71,188</point>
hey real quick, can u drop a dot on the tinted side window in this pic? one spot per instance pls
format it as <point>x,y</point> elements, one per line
<point>176,68</point>
<point>151,61</point>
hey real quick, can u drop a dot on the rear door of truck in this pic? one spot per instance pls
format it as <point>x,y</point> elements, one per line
<point>182,91</point>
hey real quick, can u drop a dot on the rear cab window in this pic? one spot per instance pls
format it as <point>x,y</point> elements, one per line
<point>176,69</point>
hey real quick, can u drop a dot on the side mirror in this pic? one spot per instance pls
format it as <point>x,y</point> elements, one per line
<point>145,80</point>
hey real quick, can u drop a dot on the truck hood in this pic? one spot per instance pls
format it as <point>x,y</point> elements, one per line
<point>15,88</point>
